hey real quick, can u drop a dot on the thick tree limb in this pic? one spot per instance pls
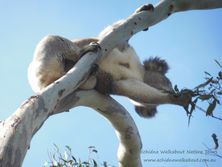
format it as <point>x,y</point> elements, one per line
<point>181,5</point>
<point>16,131</point>
<point>126,130</point>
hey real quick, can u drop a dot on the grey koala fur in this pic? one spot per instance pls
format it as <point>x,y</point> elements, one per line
<point>119,73</point>
<point>155,70</point>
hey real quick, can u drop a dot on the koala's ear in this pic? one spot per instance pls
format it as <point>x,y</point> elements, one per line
<point>156,64</point>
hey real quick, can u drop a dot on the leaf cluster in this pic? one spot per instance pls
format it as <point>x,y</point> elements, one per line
<point>67,159</point>
<point>208,92</point>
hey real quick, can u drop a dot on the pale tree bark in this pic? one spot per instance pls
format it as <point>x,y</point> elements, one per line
<point>126,130</point>
<point>17,130</point>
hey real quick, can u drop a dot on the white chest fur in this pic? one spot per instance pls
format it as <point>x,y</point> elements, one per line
<point>123,64</point>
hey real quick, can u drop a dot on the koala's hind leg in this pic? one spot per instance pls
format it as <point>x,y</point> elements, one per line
<point>141,92</point>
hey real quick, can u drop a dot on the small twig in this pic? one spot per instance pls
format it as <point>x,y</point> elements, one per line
<point>215,154</point>
<point>206,163</point>
<point>201,109</point>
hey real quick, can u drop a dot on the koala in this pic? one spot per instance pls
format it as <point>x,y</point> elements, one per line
<point>119,73</point>
<point>55,55</point>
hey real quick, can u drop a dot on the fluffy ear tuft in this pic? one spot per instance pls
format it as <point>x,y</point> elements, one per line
<point>156,64</point>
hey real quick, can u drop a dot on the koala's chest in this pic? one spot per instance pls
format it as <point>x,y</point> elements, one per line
<point>122,65</point>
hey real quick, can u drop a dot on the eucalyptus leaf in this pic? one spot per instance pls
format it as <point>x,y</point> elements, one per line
<point>176,89</point>
<point>220,74</point>
<point>219,93</point>
<point>105,164</point>
<point>204,84</point>
<point>211,107</point>
<point>218,63</point>
<point>68,147</point>
<point>205,97</point>
<point>207,73</point>
<point>94,163</point>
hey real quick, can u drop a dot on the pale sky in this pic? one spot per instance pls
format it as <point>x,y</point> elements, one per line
<point>189,41</point>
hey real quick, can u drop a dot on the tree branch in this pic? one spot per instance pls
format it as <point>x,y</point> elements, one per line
<point>126,130</point>
<point>201,109</point>
<point>16,131</point>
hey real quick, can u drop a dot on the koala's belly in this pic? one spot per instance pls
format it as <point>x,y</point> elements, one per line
<point>122,64</point>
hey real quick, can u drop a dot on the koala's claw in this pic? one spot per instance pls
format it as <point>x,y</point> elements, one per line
<point>146,29</point>
<point>148,7</point>
<point>183,98</point>
<point>94,47</point>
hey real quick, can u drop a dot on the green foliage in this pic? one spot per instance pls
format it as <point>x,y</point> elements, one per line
<point>67,159</point>
<point>209,92</point>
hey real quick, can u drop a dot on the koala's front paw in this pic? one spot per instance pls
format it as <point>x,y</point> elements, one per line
<point>94,47</point>
<point>183,98</point>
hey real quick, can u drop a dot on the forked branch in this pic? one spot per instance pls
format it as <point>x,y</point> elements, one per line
<point>17,131</point>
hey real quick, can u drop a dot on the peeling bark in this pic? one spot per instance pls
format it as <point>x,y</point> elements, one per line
<point>17,130</point>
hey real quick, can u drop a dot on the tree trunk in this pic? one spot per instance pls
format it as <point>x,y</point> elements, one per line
<point>17,130</point>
